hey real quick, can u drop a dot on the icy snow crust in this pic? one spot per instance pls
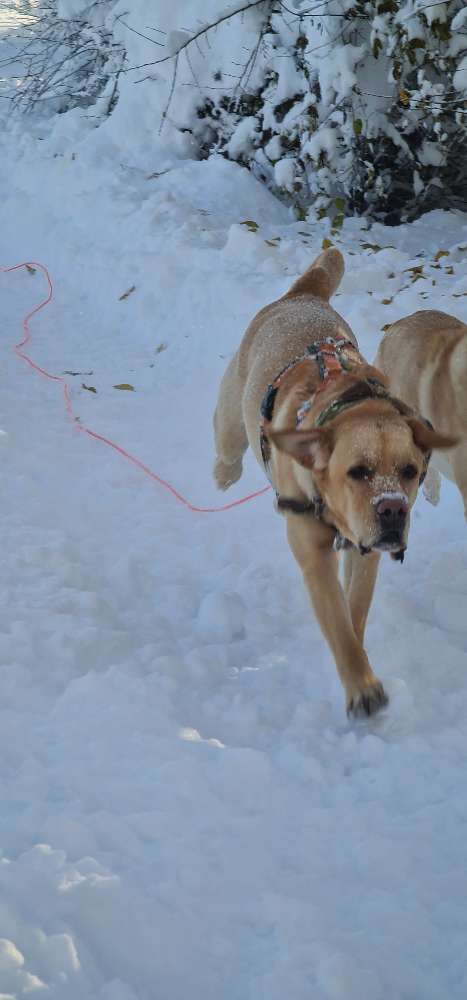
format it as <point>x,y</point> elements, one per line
<point>185,809</point>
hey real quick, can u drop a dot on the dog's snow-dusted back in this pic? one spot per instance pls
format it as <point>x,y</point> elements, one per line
<point>277,334</point>
<point>343,455</point>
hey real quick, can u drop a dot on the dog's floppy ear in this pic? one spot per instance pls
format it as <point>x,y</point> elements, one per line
<point>310,448</point>
<point>427,439</point>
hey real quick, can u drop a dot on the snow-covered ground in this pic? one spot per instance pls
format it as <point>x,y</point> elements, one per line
<point>185,808</point>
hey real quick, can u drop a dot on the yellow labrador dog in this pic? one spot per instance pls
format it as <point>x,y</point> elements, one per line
<point>425,359</point>
<point>344,456</point>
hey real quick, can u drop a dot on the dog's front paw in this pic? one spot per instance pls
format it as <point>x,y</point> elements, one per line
<point>367,700</point>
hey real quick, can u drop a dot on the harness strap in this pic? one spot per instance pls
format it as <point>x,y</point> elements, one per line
<point>315,506</point>
<point>367,388</point>
<point>328,354</point>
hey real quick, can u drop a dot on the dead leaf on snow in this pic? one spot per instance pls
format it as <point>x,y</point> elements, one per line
<point>251,225</point>
<point>157,173</point>
<point>127,293</point>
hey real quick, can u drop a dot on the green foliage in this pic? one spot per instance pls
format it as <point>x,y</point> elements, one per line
<point>366,104</point>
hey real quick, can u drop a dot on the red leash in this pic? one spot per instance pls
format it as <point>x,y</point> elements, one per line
<point>93,434</point>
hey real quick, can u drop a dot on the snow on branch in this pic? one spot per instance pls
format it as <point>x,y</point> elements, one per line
<point>66,61</point>
<point>346,105</point>
<point>353,107</point>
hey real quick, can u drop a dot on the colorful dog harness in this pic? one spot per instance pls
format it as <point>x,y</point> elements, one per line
<point>333,357</point>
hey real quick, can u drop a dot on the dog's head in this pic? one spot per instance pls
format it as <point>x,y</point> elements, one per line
<point>367,465</point>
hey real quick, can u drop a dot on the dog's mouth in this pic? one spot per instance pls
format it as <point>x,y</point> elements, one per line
<point>389,541</point>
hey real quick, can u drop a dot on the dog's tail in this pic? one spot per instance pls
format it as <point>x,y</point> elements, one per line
<point>322,277</point>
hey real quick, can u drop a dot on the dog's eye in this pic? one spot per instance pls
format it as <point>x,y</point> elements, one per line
<point>359,472</point>
<point>409,472</point>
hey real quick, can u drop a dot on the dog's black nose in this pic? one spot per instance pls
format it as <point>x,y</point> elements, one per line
<point>392,512</point>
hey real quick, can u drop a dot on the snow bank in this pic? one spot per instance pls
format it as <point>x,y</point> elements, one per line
<point>185,808</point>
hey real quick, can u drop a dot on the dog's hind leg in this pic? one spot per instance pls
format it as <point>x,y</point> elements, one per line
<point>229,429</point>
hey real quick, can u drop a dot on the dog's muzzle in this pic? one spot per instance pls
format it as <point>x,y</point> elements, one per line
<point>391,518</point>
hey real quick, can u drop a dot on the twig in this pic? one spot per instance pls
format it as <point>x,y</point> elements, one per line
<point>169,99</point>
<point>198,34</point>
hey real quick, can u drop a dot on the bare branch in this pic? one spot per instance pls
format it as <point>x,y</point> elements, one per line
<point>198,34</point>
<point>171,92</point>
<point>140,33</point>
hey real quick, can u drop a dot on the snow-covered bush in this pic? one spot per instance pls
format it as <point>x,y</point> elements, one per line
<point>347,105</point>
<point>68,56</point>
<point>360,107</point>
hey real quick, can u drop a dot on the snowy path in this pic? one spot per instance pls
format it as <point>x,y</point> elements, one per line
<point>185,808</point>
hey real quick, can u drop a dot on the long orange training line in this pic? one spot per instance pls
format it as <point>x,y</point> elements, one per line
<point>86,430</point>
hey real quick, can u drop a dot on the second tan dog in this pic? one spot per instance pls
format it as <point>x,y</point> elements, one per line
<point>425,359</point>
<point>344,456</point>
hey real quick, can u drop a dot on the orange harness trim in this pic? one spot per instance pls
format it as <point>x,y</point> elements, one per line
<point>332,357</point>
